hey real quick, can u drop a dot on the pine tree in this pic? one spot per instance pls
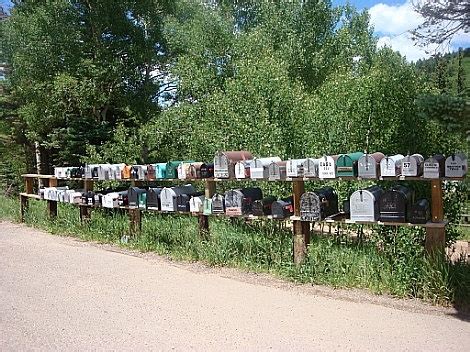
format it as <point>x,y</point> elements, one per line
<point>442,76</point>
<point>461,88</point>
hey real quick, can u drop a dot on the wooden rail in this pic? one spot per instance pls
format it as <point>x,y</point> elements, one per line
<point>287,179</point>
<point>435,230</point>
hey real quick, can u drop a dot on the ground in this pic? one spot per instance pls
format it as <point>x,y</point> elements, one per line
<point>59,293</point>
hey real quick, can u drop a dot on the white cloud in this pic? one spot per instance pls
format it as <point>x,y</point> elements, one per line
<point>405,46</point>
<point>389,19</point>
<point>393,22</point>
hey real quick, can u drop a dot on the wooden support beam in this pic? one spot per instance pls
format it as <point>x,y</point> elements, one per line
<point>23,207</point>
<point>204,219</point>
<point>28,185</point>
<point>51,205</point>
<point>436,236</point>
<point>88,185</point>
<point>51,209</point>
<point>301,229</point>
<point>437,201</point>
<point>435,239</point>
<point>52,182</point>
<point>85,213</point>
<point>135,216</point>
<point>137,183</point>
<point>203,225</point>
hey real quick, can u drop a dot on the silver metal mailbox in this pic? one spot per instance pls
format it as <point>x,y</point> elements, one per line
<point>240,201</point>
<point>196,204</point>
<point>277,171</point>
<point>434,167</point>
<point>412,165</point>
<point>242,169</point>
<point>364,204</point>
<point>390,166</point>
<point>89,170</point>
<point>369,165</point>
<point>104,172</point>
<point>295,168</point>
<point>259,168</point>
<point>224,162</point>
<point>168,196</point>
<point>456,165</point>
<point>311,167</point>
<point>327,166</point>
<point>116,171</point>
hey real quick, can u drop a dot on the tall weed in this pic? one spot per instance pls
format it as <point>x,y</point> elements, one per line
<point>387,261</point>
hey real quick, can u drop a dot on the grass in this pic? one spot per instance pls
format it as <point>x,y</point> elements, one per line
<point>464,232</point>
<point>386,263</point>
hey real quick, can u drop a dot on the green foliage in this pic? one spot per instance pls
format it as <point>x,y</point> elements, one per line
<point>15,152</point>
<point>370,111</point>
<point>455,198</point>
<point>461,75</point>
<point>93,60</point>
<point>452,113</point>
<point>447,97</point>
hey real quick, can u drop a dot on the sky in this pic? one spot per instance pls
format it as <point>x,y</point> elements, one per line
<point>391,21</point>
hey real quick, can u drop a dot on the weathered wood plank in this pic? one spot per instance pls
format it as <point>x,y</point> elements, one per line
<point>301,229</point>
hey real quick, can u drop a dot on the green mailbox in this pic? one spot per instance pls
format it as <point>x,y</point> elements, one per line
<point>172,168</point>
<point>207,206</point>
<point>142,199</point>
<point>160,170</point>
<point>346,164</point>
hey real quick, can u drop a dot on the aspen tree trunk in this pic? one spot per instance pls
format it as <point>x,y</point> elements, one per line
<point>38,161</point>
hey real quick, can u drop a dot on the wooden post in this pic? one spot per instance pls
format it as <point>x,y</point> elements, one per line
<point>28,185</point>
<point>137,183</point>
<point>135,217</point>
<point>135,214</point>
<point>301,236</point>
<point>85,213</point>
<point>437,202</point>
<point>23,207</point>
<point>204,219</point>
<point>436,235</point>
<point>88,185</point>
<point>51,209</point>
<point>52,205</point>
<point>28,188</point>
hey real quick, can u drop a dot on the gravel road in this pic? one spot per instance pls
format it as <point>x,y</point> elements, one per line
<point>57,293</point>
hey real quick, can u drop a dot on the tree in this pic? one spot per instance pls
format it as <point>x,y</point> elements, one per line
<point>285,84</point>
<point>442,20</point>
<point>461,76</point>
<point>442,74</point>
<point>99,64</point>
